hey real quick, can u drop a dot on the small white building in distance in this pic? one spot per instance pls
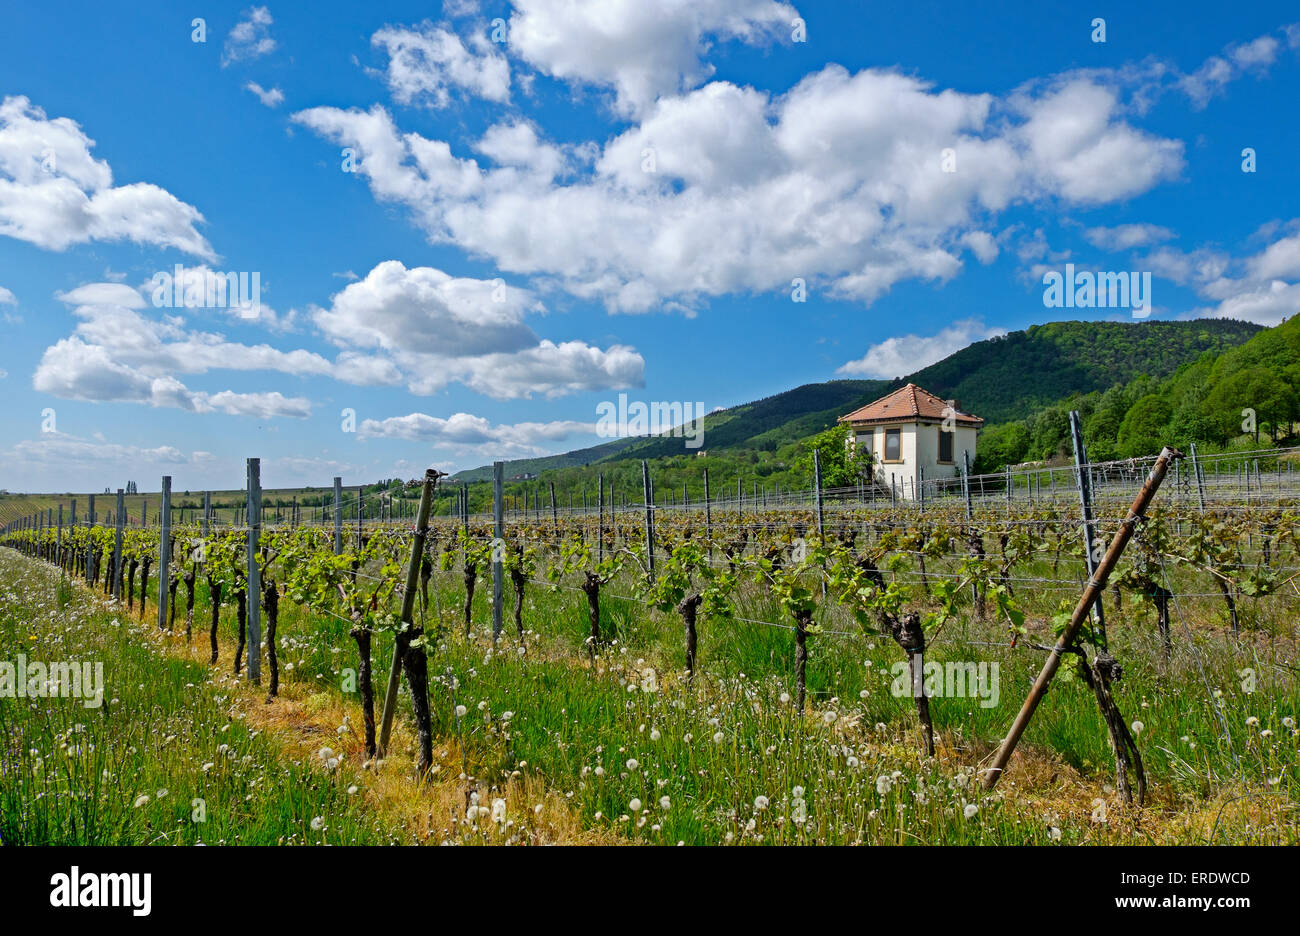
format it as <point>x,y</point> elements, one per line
<point>913,435</point>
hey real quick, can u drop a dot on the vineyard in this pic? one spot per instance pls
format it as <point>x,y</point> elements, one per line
<point>816,666</point>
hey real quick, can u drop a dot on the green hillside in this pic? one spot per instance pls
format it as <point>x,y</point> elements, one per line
<point>1205,401</point>
<point>1014,376</point>
<point>1002,379</point>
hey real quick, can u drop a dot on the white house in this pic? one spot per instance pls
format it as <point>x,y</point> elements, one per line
<point>914,436</point>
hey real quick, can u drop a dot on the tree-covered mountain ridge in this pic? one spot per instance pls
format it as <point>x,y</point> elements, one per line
<point>1007,380</point>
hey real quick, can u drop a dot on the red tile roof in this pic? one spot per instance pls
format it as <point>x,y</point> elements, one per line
<point>907,404</point>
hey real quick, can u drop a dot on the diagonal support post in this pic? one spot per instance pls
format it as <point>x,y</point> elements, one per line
<point>1096,585</point>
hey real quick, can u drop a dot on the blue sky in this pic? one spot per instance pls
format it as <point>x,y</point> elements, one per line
<point>556,202</point>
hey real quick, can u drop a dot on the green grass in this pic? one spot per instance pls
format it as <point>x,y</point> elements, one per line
<point>161,761</point>
<point>568,720</point>
<point>575,728</point>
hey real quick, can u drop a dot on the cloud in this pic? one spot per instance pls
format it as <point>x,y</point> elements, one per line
<point>434,328</point>
<point>426,310</point>
<point>982,245</point>
<point>518,145</point>
<point>427,63</point>
<point>1218,71</point>
<point>250,38</point>
<point>458,9</point>
<point>839,181</point>
<point>465,433</point>
<point>7,297</point>
<point>1279,259</point>
<point>54,194</point>
<point>1077,147</point>
<point>55,461</point>
<point>73,369</point>
<point>202,289</point>
<point>1127,236</point>
<point>157,346</point>
<point>262,405</point>
<point>1263,287</point>
<point>906,354</point>
<point>119,353</point>
<point>95,294</point>
<point>272,98</point>
<point>642,51</point>
<point>1265,304</point>
<point>1197,267</point>
<point>58,447</point>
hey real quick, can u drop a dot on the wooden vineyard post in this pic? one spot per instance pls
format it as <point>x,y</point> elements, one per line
<point>821,526</point>
<point>708,514</point>
<point>965,480</point>
<point>600,516</point>
<point>413,661</point>
<point>338,516</point>
<point>1083,475</point>
<point>164,550</point>
<point>649,520</point>
<point>817,491</point>
<point>555,514</point>
<point>498,544</point>
<point>1096,585</point>
<point>90,546</point>
<point>207,512</point>
<point>117,547</point>
<point>254,571</point>
<point>965,488</point>
<point>1199,478</point>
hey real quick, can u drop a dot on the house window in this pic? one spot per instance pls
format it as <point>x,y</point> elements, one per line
<point>945,446</point>
<point>893,445</point>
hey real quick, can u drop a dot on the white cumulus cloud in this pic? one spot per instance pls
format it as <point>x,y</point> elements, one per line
<point>905,354</point>
<point>54,193</point>
<point>435,328</point>
<point>427,63</point>
<point>640,50</point>
<point>465,433</point>
<point>727,189</point>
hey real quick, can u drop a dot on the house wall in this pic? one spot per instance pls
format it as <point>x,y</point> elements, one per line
<point>919,447</point>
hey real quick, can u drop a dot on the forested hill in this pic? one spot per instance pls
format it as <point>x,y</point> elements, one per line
<point>1013,376</point>
<point>1001,379</point>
